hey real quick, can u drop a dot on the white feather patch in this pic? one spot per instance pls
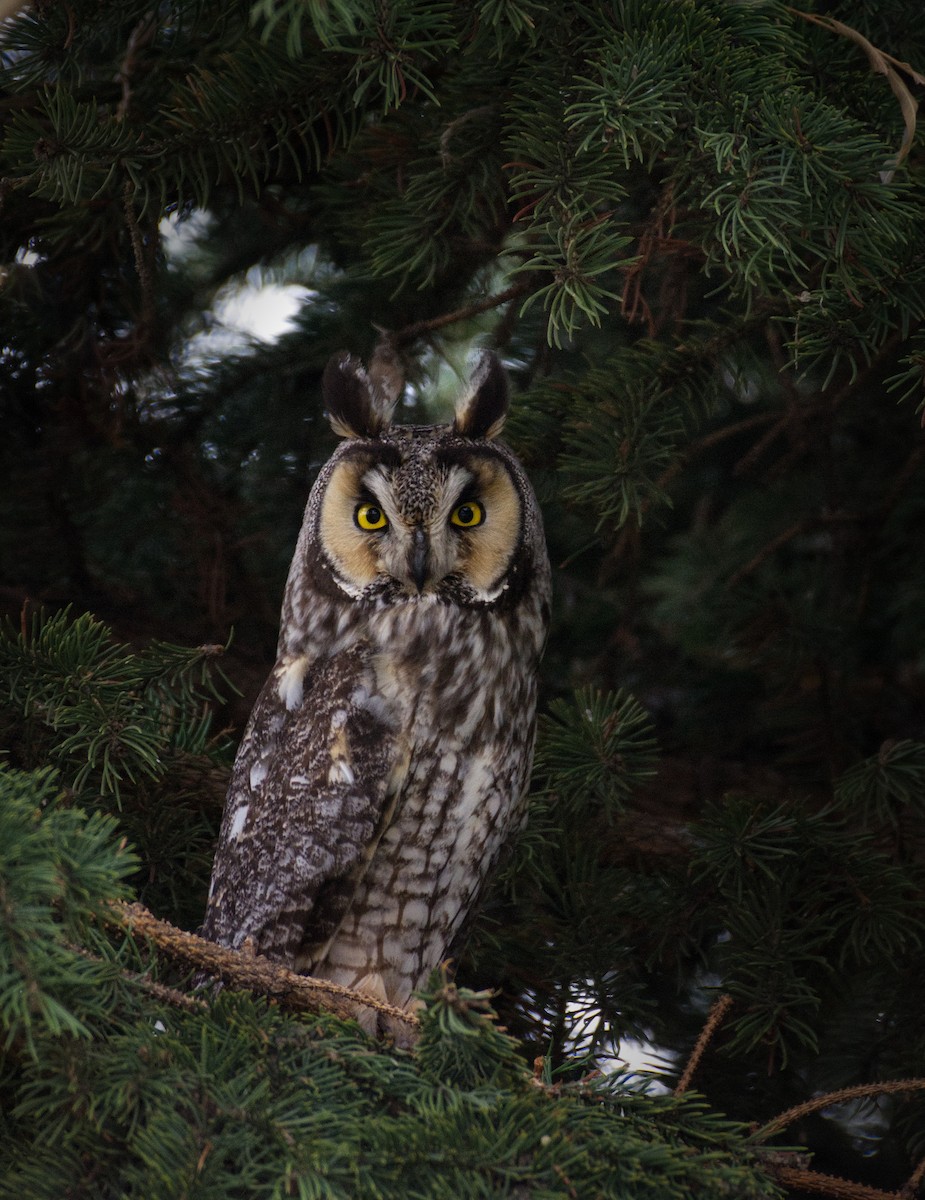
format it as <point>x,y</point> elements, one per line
<point>237,821</point>
<point>373,985</point>
<point>291,682</point>
<point>340,771</point>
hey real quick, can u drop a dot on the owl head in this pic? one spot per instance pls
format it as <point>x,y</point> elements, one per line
<point>403,514</point>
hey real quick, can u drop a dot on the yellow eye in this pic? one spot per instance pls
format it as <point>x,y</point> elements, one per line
<point>468,515</point>
<point>371,518</point>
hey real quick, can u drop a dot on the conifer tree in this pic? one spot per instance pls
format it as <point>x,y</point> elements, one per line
<point>695,232</point>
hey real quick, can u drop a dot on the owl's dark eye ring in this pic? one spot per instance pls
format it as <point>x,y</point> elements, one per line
<point>370,518</point>
<point>468,514</point>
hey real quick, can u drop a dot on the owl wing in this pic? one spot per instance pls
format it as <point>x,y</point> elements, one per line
<point>306,805</point>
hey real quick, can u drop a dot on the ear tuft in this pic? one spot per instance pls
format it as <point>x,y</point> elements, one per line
<point>482,407</point>
<point>352,404</point>
<point>386,373</point>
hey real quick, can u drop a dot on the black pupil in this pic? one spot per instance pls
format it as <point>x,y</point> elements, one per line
<point>373,515</point>
<point>465,513</point>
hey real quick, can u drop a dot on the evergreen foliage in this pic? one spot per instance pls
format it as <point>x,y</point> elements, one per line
<point>59,869</point>
<point>695,232</point>
<point>237,1099</point>
<point>129,733</point>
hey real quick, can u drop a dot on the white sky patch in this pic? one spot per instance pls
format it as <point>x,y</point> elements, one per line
<point>245,313</point>
<point>253,307</point>
<point>644,1059</point>
<point>179,236</point>
<point>263,311</point>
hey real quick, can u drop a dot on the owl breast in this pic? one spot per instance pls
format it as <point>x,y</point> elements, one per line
<point>460,790</point>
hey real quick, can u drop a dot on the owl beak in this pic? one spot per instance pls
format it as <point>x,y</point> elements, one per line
<point>419,559</point>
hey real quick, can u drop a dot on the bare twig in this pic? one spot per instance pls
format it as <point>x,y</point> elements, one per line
<point>714,1019</point>
<point>883,64</point>
<point>142,264</point>
<point>827,1185</point>
<point>484,110</point>
<point>884,1088</point>
<point>748,460</point>
<point>131,222</point>
<point>902,477</point>
<point>911,1187</point>
<point>793,531</point>
<point>705,443</point>
<point>630,530</point>
<point>253,972</point>
<point>140,37</point>
<point>410,332</point>
<point>159,991</point>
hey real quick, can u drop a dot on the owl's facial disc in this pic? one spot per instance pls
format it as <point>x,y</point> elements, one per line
<point>378,521</point>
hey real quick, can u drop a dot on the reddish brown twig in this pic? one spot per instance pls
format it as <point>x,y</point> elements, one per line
<point>793,531</point>
<point>910,1188</point>
<point>859,1091</point>
<point>714,1019</point>
<point>410,332</point>
<point>803,1180</point>
<point>160,991</point>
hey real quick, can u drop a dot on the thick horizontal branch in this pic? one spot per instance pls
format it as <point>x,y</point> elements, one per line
<point>252,972</point>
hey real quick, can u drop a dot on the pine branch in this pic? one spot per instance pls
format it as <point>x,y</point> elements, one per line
<point>252,972</point>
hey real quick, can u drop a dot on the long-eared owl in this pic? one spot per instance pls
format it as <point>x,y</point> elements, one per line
<point>388,755</point>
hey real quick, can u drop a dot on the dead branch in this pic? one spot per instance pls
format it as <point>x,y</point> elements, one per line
<point>827,1185</point>
<point>806,525</point>
<point>884,1088</point>
<point>714,1019</point>
<point>910,1188</point>
<point>160,991</point>
<point>410,332</point>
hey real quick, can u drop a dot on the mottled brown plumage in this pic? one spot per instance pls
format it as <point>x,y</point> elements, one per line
<point>387,757</point>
